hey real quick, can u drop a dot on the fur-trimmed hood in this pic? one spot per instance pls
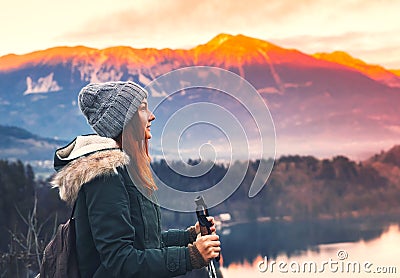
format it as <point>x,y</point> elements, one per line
<point>85,158</point>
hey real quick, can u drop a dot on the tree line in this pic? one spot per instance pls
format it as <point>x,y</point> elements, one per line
<point>299,187</point>
<point>302,187</point>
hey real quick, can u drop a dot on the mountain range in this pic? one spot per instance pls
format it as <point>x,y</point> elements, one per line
<point>321,104</point>
<point>19,144</point>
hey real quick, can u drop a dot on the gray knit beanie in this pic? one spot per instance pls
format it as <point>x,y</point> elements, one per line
<point>107,106</point>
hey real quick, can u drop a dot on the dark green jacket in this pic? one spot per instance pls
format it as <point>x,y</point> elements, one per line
<point>118,229</point>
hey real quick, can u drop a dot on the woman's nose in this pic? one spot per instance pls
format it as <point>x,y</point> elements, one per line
<point>151,117</point>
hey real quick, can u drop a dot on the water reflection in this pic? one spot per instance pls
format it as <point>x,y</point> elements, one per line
<point>246,241</point>
<point>374,240</point>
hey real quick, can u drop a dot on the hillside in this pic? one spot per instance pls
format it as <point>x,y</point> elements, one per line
<point>387,163</point>
<point>321,105</point>
<point>302,196</point>
<point>375,72</point>
<point>307,187</point>
<point>17,143</point>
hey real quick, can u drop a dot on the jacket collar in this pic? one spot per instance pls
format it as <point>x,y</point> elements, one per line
<point>82,160</point>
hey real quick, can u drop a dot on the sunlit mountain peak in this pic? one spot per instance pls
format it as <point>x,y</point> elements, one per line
<point>375,72</point>
<point>396,72</point>
<point>340,57</point>
<point>50,56</point>
<point>219,39</point>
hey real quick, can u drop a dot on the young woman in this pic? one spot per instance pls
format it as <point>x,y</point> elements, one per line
<point>118,226</point>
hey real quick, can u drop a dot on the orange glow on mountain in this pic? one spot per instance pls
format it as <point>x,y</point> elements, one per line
<point>113,56</point>
<point>396,72</point>
<point>235,51</point>
<point>373,71</point>
<point>224,50</point>
<point>50,56</point>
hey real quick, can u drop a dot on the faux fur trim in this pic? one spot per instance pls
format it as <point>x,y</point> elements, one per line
<point>84,169</point>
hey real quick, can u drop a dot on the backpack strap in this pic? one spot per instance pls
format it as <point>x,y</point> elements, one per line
<point>73,210</point>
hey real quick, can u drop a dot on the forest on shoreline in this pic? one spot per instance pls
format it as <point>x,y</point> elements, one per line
<point>300,188</point>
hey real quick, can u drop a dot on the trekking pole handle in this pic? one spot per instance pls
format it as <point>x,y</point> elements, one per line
<point>202,214</point>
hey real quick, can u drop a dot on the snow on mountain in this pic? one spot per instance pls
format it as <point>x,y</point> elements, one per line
<point>226,51</point>
<point>44,84</point>
<point>93,67</point>
<point>325,101</point>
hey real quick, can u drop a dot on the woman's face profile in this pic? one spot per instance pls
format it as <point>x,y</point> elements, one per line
<point>145,117</point>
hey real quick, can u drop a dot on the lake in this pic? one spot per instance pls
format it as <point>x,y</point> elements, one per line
<point>367,247</point>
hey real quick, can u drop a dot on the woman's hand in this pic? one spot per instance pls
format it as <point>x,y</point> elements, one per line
<point>208,246</point>
<point>212,228</point>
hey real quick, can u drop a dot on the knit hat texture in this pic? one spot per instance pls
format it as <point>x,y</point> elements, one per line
<point>108,106</point>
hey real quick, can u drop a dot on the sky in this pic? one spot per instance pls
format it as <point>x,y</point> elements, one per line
<point>366,29</point>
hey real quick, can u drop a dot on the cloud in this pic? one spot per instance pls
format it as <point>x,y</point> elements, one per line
<point>364,41</point>
<point>182,20</point>
<point>389,56</point>
<point>355,26</point>
<point>367,46</point>
<point>184,24</point>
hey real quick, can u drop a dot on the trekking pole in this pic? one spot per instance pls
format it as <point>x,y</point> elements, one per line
<point>205,229</point>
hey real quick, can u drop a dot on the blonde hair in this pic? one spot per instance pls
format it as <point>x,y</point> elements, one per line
<point>136,146</point>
